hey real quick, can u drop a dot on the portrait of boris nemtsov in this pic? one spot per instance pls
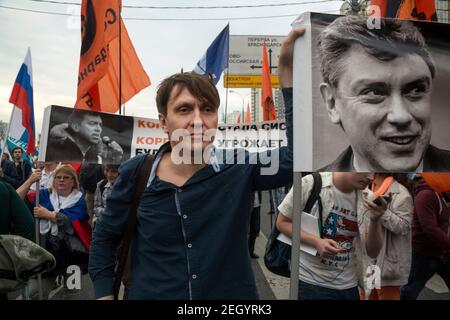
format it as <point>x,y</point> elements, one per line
<point>377,86</point>
<point>81,140</point>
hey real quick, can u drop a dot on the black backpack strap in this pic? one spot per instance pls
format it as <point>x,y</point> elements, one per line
<point>102,186</point>
<point>315,193</point>
<point>142,179</point>
<point>315,197</point>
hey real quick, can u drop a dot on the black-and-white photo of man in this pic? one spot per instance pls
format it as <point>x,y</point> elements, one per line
<point>81,140</point>
<point>377,86</point>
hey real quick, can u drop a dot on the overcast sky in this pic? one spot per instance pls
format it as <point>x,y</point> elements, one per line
<point>164,47</point>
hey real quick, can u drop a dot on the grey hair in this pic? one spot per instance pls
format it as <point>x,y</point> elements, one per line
<point>393,39</point>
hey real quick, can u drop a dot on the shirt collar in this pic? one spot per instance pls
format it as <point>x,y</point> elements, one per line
<point>327,179</point>
<point>108,185</point>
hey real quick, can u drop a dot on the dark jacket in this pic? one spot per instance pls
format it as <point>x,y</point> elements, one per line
<point>10,174</point>
<point>190,241</point>
<point>15,218</point>
<point>430,234</point>
<point>23,170</point>
<point>435,160</point>
<point>67,150</point>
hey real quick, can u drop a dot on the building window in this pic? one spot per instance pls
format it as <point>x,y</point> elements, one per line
<point>442,10</point>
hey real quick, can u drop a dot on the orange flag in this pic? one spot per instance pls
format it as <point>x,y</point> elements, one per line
<point>98,73</point>
<point>407,9</point>
<point>238,119</point>
<point>247,114</point>
<point>267,97</point>
<point>382,5</point>
<point>439,182</point>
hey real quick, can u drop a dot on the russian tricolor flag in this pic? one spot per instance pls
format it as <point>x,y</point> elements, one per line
<point>21,129</point>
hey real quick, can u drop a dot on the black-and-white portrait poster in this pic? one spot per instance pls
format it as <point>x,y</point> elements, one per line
<point>371,95</point>
<point>76,135</point>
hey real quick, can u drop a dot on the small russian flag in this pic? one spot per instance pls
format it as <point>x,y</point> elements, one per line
<point>22,98</point>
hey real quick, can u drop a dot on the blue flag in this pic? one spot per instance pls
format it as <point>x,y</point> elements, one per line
<point>215,59</point>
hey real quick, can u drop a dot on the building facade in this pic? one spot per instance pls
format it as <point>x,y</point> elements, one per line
<point>257,114</point>
<point>442,10</point>
<point>233,117</point>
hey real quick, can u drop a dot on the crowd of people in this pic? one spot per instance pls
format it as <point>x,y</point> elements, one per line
<point>64,211</point>
<point>191,236</point>
<point>406,236</point>
<point>410,226</point>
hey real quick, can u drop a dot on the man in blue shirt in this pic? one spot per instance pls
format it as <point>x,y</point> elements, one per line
<point>190,240</point>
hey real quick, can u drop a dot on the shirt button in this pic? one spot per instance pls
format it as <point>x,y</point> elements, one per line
<point>194,276</point>
<point>189,245</point>
<point>179,190</point>
<point>184,216</point>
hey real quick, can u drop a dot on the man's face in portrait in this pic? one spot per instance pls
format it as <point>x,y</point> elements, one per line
<point>384,107</point>
<point>89,129</point>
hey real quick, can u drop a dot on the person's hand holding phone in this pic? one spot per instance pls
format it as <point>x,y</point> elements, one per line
<point>378,206</point>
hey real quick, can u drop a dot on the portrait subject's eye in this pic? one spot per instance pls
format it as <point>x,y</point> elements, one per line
<point>373,95</point>
<point>416,92</point>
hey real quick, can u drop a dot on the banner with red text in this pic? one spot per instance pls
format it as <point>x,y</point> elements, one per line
<point>75,135</point>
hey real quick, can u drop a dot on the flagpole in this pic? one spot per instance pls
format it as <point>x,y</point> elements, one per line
<point>120,60</point>
<point>37,237</point>
<point>226,100</point>
<point>7,131</point>
<point>228,73</point>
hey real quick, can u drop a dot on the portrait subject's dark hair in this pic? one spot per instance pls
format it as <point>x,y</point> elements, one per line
<point>78,115</point>
<point>199,86</point>
<point>394,38</point>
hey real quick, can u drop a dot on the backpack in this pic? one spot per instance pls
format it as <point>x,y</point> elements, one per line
<point>20,260</point>
<point>277,256</point>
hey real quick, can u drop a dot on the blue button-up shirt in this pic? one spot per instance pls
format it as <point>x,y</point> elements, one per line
<point>190,241</point>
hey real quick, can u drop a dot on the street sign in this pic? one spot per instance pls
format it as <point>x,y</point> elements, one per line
<point>248,81</point>
<point>245,60</point>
